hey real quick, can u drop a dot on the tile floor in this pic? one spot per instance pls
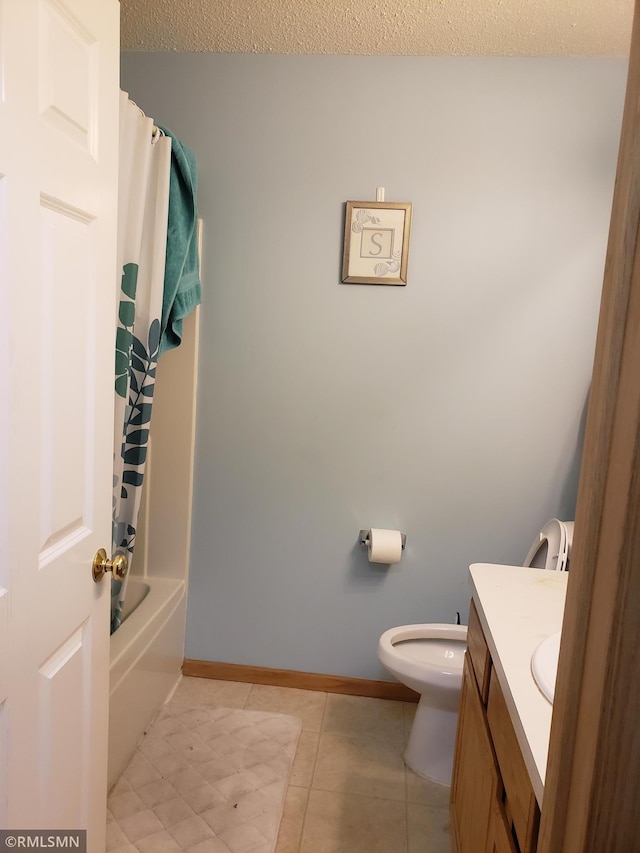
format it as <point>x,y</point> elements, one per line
<point>350,791</point>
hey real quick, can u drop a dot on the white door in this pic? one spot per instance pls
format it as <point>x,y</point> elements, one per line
<point>59,84</point>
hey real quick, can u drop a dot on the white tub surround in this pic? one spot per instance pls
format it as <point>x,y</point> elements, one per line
<point>518,608</point>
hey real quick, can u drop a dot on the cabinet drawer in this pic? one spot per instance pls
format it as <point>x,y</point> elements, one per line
<point>519,795</point>
<point>479,652</point>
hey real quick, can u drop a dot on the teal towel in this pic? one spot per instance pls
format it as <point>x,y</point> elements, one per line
<point>182,290</point>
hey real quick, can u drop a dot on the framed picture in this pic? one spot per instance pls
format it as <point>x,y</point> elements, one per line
<point>376,242</point>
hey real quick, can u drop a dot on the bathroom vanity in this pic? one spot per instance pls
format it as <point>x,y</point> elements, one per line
<point>504,720</point>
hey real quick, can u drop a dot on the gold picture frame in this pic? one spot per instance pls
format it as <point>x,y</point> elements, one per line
<point>376,242</point>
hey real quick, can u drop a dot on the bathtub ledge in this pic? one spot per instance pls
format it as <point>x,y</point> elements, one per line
<point>137,632</point>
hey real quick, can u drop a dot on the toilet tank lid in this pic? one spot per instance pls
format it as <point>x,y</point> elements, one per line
<point>557,536</point>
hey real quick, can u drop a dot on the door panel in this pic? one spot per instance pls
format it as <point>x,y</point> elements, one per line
<point>66,480</point>
<point>67,73</point>
<point>64,732</point>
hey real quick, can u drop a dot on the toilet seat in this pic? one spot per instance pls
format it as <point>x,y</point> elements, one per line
<point>552,546</point>
<point>432,653</point>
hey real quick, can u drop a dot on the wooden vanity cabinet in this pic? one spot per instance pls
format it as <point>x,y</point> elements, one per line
<point>493,806</point>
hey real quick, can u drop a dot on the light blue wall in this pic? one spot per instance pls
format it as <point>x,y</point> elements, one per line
<point>451,408</point>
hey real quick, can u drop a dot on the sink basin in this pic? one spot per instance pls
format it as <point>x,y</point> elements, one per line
<point>544,665</point>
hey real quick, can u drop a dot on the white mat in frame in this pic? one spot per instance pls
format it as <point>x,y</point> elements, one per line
<point>204,780</point>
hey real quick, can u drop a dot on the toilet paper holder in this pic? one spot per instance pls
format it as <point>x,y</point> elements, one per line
<point>364,538</point>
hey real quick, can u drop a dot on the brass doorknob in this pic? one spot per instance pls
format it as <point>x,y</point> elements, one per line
<point>101,565</point>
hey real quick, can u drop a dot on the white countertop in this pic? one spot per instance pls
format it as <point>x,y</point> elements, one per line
<point>518,608</point>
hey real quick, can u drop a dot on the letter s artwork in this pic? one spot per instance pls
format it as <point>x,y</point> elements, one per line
<point>376,243</point>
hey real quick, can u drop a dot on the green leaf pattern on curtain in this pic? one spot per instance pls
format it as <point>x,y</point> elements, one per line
<point>126,321</point>
<point>135,376</point>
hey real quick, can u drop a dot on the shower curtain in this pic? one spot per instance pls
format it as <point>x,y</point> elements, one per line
<point>143,201</point>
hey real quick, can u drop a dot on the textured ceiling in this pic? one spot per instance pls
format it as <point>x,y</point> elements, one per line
<point>395,27</point>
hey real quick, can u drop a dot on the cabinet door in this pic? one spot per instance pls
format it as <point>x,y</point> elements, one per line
<point>520,798</point>
<point>500,837</point>
<point>475,777</point>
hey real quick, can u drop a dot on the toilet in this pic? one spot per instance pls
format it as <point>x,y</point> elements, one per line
<point>429,659</point>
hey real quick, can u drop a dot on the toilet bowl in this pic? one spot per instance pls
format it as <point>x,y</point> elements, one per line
<point>429,659</point>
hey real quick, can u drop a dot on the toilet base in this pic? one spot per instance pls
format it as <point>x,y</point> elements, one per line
<point>429,752</point>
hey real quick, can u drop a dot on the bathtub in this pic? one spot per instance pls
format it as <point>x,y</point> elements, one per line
<point>146,659</point>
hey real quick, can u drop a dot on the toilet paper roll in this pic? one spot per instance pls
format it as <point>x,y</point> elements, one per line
<point>385,546</point>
